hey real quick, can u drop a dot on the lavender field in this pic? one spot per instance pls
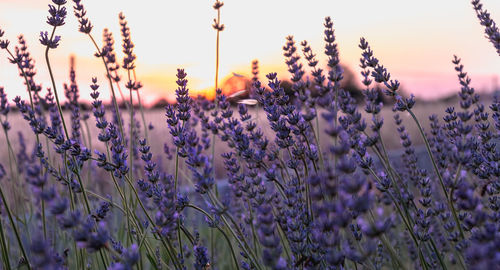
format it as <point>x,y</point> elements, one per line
<point>298,174</point>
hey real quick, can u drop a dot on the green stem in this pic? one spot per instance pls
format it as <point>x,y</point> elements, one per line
<point>113,96</point>
<point>142,111</point>
<point>168,246</point>
<point>106,199</point>
<point>388,245</point>
<point>215,97</point>
<point>131,135</point>
<point>14,228</point>
<point>254,234</point>
<point>222,231</point>
<point>441,182</point>
<point>51,74</point>
<point>62,116</point>
<point>43,219</point>
<point>5,253</point>
<point>27,85</point>
<point>238,234</point>
<point>317,137</point>
<point>407,222</point>
<point>142,115</point>
<point>54,85</point>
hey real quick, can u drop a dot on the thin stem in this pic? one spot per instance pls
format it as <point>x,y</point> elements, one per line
<point>215,96</point>
<point>5,253</point>
<point>233,254</point>
<point>105,199</point>
<point>441,182</point>
<point>47,60</point>
<point>14,228</point>
<point>43,218</point>
<point>113,96</point>
<point>131,135</point>
<point>388,245</point>
<point>141,110</point>
<point>168,246</point>
<point>217,54</point>
<point>27,85</point>
<point>238,234</point>
<point>54,85</point>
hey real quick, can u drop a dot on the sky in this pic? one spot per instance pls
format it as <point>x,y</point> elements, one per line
<point>415,40</point>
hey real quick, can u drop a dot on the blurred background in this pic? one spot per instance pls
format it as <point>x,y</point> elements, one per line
<point>415,40</point>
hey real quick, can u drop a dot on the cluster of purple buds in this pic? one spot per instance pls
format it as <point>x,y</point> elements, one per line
<point>295,68</point>
<point>27,64</point>
<point>49,42</point>
<point>316,72</point>
<point>71,92</point>
<point>335,74</point>
<point>36,125</point>
<point>109,54</point>
<point>4,43</point>
<point>128,46</point>
<point>151,173</point>
<point>91,237</point>
<point>57,14</point>
<point>99,112</point>
<point>129,259</point>
<point>491,29</point>
<point>44,256</point>
<point>217,25</point>
<point>118,151</point>
<point>56,18</point>
<point>4,109</point>
<point>293,203</point>
<point>80,12</point>
<point>381,75</point>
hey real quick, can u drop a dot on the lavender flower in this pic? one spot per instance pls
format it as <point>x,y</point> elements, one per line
<point>46,41</point>
<point>102,211</point>
<point>491,29</point>
<point>72,94</point>
<point>57,14</point>
<point>128,46</point>
<point>91,240</point>
<point>110,55</point>
<point>255,70</point>
<point>268,238</point>
<point>290,203</point>
<point>2,171</point>
<point>335,72</point>
<point>130,257</point>
<point>119,152</point>
<point>201,258</point>
<point>4,109</point>
<point>27,65</point>
<point>56,18</point>
<point>44,256</point>
<point>99,112</point>
<point>217,25</point>
<point>80,12</point>
<point>4,43</point>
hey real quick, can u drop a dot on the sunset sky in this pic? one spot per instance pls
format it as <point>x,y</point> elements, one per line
<point>415,40</point>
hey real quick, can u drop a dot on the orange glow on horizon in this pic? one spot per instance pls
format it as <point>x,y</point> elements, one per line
<point>414,40</point>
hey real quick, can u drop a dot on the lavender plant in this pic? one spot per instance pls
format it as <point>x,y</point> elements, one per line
<point>289,200</point>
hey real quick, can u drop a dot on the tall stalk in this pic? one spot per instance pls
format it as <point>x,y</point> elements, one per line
<point>218,27</point>
<point>141,109</point>
<point>14,227</point>
<point>5,253</point>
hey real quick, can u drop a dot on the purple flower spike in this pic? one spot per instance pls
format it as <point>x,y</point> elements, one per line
<point>44,40</point>
<point>4,43</point>
<point>57,15</point>
<point>84,23</point>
